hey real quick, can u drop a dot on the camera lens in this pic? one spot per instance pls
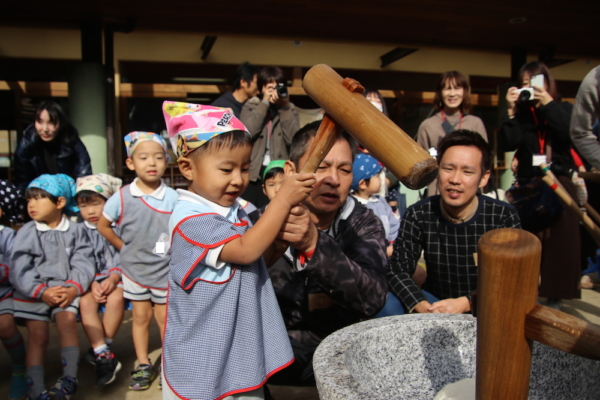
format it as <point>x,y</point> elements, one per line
<point>524,95</point>
<point>282,90</point>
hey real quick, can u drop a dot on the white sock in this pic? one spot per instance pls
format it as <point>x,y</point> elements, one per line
<point>100,349</point>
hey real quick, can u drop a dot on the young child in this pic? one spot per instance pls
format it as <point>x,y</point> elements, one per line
<point>273,176</point>
<point>224,334</point>
<point>52,265</point>
<point>141,211</point>
<point>92,193</point>
<point>366,183</point>
<point>11,210</point>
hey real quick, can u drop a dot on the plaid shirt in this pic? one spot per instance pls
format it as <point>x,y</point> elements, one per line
<point>450,249</point>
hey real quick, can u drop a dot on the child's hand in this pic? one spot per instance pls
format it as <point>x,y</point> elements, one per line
<point>68,297</point>
<point>296,188</point>
<point>110,284</point>
<point>97,293</point>
<point>53,296</point>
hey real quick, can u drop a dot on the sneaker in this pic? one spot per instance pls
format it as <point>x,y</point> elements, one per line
<point>141,377</point>
<point>107,367</point>
<point>160,376</point>
<point>89,356</point>
<point>44,396</point>
<point>18,387</point>
<point>63,389</point>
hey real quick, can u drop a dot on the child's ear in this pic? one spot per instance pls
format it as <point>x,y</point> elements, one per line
<point>362,185</point>
<point>129,163</point>
<point>185,168</point>
<point>61,203</point>
<point>289,168</point>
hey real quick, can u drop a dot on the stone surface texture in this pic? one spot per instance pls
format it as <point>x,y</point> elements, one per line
<point>415,356</point>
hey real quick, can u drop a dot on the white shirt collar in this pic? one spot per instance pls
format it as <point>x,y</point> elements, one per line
<point>1,228</point>
<point>158,194</point>
<point>186,195</point>
<point>372,199</point>
<point>62,226</point>
<point>91,226</point>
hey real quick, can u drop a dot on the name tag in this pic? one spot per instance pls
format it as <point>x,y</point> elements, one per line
<point>538,159</point>
<point>160,248</point>
<point>319,300</point>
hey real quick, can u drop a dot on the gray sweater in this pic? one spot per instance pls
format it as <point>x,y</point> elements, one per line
<point>585,112</point>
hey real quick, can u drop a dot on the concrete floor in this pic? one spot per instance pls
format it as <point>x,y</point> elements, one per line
<point>587,308</point>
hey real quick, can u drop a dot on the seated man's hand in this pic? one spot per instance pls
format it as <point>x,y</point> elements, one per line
<point>451,306</point>
<point>299,231</point>
<point>424,308</point>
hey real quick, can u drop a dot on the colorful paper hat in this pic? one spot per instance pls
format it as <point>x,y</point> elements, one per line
<point>134,138</point>
<point>192,125</point>
<point>103,184</point>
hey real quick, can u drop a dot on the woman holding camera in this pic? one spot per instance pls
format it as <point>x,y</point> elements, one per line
<point>453,102</point>
<point>50,145</point>
<point>537,127</point>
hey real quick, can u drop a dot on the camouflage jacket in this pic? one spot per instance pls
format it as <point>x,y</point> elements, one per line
<point>344,281</point>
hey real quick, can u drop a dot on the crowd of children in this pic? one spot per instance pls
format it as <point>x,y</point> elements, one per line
<point>150,245</point>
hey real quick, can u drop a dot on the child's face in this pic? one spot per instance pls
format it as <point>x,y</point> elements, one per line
<point>91,210</point>
<point>42,209</point>
<point>222,175</point>
<point>272,185</point>
<point>374,185</point>
<point>149,161</point>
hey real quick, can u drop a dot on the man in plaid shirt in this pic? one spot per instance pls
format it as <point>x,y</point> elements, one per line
<point>447,227</point>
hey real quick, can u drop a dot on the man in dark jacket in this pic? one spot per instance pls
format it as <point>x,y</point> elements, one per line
<point>333,274</point>
<point>244,87</point>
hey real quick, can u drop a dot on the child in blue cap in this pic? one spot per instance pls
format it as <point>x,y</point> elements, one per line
<point>366,183</point>
<point>52,266</point>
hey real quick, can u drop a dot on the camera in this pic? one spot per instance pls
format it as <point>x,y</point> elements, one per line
<point>282,90</point>
<point>525,94</point>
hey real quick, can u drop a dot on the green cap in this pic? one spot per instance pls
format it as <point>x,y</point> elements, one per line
<point>273,164</point>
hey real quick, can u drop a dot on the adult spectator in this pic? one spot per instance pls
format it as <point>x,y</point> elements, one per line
<point>447,227</point>
<point>334,273</point>
<point>586,113</point>
<point>244,87</point>
<point>51,145</point>
<point>538,129</point>
<point>453,102</point>
<point>272,121</point>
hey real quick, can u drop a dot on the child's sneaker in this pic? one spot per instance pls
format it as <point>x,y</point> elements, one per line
<point>63,389</point>
<point>44,396</point>
<point>141,377</point>
<point>89,356</point>
<point>18,387</point>
<point>107,367</point>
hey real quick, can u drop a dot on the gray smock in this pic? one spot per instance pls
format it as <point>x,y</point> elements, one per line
<point>106,257</point>
<point>52,257</point>
<point>141,227</point>
<point>6,242</point>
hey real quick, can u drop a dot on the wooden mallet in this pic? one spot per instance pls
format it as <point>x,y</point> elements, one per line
<point>347,109</point>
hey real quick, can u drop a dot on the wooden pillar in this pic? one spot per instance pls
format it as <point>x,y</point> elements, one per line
<point>509,263</point>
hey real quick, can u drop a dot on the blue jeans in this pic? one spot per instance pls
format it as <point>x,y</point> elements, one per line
<point>393,305</point>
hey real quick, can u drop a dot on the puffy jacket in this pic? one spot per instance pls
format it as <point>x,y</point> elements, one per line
<point>344,281</point>
<point>29,162</point>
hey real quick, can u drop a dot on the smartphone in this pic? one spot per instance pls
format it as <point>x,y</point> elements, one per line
<point>537,80</point>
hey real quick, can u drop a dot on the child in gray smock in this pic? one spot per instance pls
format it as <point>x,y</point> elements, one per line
<point>141,211</point>
<point>52,265</point>
<point>11,210</point>
<point>107,288</point>
<point>366,182</point>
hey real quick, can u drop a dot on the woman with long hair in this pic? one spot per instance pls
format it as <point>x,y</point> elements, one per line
<point>538,129</point>
<point>50,145</point>
<point>453,102</point>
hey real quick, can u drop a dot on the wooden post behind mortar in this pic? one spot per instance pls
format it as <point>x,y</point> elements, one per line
<point>509,262</point>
